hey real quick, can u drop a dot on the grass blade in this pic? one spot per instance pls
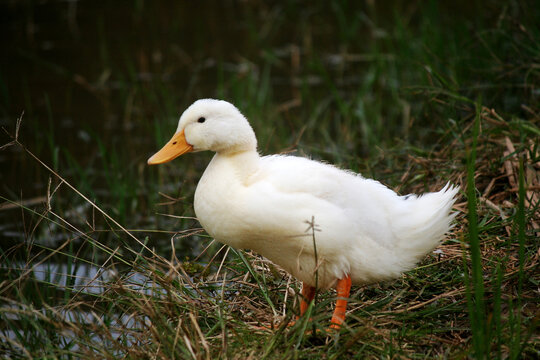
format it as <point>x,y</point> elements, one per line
<point>475,302</point>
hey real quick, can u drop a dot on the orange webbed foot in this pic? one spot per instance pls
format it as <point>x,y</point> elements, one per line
<point>343,288</point>
<point>343,291</point>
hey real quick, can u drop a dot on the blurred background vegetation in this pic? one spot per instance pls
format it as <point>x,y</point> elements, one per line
<point>389,89</point>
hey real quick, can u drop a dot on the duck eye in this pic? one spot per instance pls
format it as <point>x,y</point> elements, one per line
<point>201,120</point>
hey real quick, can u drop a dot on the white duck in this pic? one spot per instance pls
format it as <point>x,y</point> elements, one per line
<point>365,231</point>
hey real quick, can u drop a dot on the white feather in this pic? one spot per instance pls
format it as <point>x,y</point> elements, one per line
<point>264,203</point>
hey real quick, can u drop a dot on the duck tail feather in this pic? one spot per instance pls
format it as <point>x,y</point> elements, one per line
<point>424,220</point>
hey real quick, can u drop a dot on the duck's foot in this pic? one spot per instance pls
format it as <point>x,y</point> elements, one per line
<point>308,293</point>
<point>343,291</point>
<point>265,328</point>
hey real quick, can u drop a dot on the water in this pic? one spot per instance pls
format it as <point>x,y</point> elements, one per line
<point>88,282</point>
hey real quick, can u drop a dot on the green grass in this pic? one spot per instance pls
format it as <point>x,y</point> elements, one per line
<point>412,94</point>
<point>475,285</point>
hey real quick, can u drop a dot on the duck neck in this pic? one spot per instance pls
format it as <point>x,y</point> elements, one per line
<point>245,163</point>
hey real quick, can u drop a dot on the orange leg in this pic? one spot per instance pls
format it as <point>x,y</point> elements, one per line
<point>308,294</point>
<point>343,291</point>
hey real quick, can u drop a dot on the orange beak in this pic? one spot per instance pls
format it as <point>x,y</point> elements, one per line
<point>173,149</point>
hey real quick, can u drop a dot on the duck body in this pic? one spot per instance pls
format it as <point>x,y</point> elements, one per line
<point>326,226</point>
<point>361,227</point>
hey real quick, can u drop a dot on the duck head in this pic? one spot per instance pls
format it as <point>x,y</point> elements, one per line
<point>208,124</point>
